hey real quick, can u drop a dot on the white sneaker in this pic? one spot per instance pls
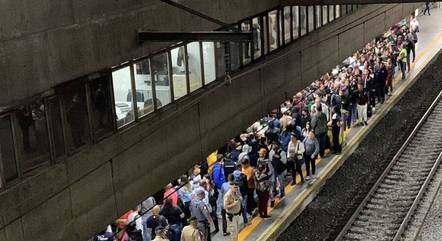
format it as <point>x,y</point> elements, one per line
<point>308,178</point>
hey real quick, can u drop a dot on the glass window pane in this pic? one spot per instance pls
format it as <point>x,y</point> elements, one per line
<point>143,86</point>
<point>331,12</point>
<point>100,91</point>
<point>295,21</point>
<point>280,30</point>
<point>234,55</point>
<point>194,58</point>
<point>318,17</point>
<point>123,96</point>
<point>220,60</point>
<point>311,17</point>
<point>56,126</point>
<point>74,105</point>
<point>256,37</point>
<point>338,11</point>
<point>287,25</point>
<point>246,57</point>
<point>273,30</point>
<point>324,15</point>
<point>303,19</point>
<point>209,62</point>
<point>7,155</point>
<point>266,25</point>
<point>160,69</point>
<point>178,72</point>
<point>31,135</point>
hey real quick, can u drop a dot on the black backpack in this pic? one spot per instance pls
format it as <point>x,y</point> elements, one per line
<point>278,165</point>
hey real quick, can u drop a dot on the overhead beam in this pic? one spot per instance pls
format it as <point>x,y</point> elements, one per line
<point>218,36</point>
<point>334,2</point>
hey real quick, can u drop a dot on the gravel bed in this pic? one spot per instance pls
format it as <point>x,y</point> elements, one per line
<point>324,218</point>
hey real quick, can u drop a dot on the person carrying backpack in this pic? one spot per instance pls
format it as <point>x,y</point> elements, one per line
<point>278,158</point>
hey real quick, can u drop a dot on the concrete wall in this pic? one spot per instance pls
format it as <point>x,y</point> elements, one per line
<point>45,43</point>
<point>76,198</point>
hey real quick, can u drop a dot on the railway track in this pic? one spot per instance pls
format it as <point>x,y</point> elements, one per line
<point>391,203</point>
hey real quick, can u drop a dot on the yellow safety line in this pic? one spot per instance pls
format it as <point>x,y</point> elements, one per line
<point>334,163</point>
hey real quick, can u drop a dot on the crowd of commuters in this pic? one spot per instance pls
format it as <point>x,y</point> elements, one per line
<point>250,172</point>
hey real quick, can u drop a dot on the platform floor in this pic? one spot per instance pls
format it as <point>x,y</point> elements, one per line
<point>299,196</point>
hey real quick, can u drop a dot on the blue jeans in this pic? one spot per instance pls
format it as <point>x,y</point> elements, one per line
<point>244,208</point>
<point>321,139</point>
<point>280,177</point>
<point>175,230</point>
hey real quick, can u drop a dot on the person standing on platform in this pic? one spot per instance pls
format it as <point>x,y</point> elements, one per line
<point>319,126</point>
<point>362,100</point>
<point>295,153</point>
<point>201,211</point>
<point>241,179</point>
<point>380,76</point>
<point>191,231</point>
<point>248,170</point>
<point>232,205</point>
<point>278,158</point>
<point>311,146</point>
<point>263,185</point>
<point>402,59</point>
<point>427,8</point>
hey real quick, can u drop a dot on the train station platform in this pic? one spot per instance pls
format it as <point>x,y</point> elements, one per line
<point>299,196</point>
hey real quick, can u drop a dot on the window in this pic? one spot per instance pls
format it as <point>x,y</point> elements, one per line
<point>75,109</point>
<point>56,123</point>
<point>311,18</point>
<point>338,11</point>
<point>295,22</point>
<point>257,31</point>
<point>220,60</point>
<point>101,101</point>
<point>160,70</point>
<point>8,164</point>
<point>209,62</point>
<point>31,135</point>
<point>124,109</point>
<point>287,22</point>
<point>273,29</point>
<point>178,72</point>
<point>318,17</point>
<point>303,19</point>
<point>266,25</point>
<point>246,46</point>
<point>331,13</point>
<point>194,64</point>
<point>143,88</point>
<point>324,15</point>
<point>234,55</point>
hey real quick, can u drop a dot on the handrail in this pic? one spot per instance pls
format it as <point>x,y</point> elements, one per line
<point>387,170</point>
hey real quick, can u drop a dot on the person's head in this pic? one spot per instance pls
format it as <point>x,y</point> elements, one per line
<point>193,222</point>
<point>156,210</point>
<point>196,170</point>
<point>276,145</point>
<point>294,138</point>
<point>307,125</point>
<point>168,202</point>
<point>262,152</point>
<point>319,107</point>
<point>230,178</point>
<point>245,162</point>
<point>219,158</point>
<point>160,231</point>
<point>261,167</point>
<point>234,187</point>
<point>311,134</point>
<point>200,193</point>
<point>168,186</point>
